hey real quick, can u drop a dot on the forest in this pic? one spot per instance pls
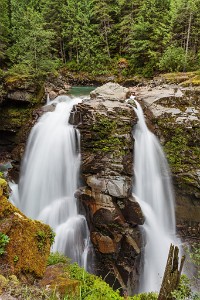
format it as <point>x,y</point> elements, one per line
<point>143,37</point>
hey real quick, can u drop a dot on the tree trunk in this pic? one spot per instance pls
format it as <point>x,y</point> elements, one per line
<point>172,274</point>
<point>188,38</point>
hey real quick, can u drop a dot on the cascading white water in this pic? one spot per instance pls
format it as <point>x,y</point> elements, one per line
<point>154,191</point>
<point>49,179</point>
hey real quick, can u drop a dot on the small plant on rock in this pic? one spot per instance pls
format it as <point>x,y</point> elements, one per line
<point>56,257</point>
<point>4,240</point>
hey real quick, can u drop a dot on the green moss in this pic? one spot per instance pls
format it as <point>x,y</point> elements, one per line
<point>14,117</point>
<point>29,244</point>
<point>179,151</point>
<point>178,77</point>
<point>107,136</point>
<point>194,81</point>
<point>41,239</point>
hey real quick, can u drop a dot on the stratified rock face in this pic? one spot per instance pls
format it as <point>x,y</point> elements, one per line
<point>21,97</point>
<point>176,120</point>
<point>105,122</point>
<point>29,243</point>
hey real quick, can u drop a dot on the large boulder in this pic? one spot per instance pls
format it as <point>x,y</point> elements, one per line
<point>110,91</point>
<point>105,122</point>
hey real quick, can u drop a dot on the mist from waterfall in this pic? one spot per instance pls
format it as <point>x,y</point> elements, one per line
<point>154,192</point>
<point>49,178</point>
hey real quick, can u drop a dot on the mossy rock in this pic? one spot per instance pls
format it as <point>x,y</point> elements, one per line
<point>57,278</point>
<point>12,118</point>
<point>178,77</point>
<point>3,187</point>
<point>194,81</point>
<point>29,241</point>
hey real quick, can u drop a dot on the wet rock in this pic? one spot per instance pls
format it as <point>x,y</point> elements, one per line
<point>131,211</point>
<point>119,187</point>
<point>175,118</point>
<point>104,244</point>
<point>57,279</point>
<point>105,122</point>
<point>52,95</point>
<point>55,86</point>
<point>110,91</point>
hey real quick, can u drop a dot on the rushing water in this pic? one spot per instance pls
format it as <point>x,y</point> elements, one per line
<point>49,179</point>
<point>154,191</point>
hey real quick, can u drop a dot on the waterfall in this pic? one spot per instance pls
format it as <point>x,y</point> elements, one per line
<point>154,191</point>
<point>49,178</point>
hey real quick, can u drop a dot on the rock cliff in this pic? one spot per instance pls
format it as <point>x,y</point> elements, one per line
<point>20,98</point>
<point>105,122</point>
<point>175,119</point>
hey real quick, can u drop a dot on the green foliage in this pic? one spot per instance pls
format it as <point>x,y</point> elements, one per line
<point>56,257</point>
<point>4,28</point>
<point>145,296</point>
<point>41,238</point>
<point>87,35</point>
<point>4,240</point>
<point>184,290</point>
<point>93,287</point>
<point>30,52</point>
<point>52,237</point>
<point>15,259</point>
<point>173,59</point>
<point>194,254</point>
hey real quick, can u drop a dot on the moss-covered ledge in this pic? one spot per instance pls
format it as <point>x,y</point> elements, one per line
<point>29,241</point>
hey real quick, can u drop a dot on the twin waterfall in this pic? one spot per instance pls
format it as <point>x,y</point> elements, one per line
<point>153,190</point>
<point>49,179</point>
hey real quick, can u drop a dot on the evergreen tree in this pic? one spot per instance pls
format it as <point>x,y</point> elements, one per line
<point>186,28</point>
<point>31,52</point>
<point>83,43</point>
<point>4,29</point>
<point>128,15</point>
<point>55,16</point>
<point>151,34</point>
<point>103,14</point>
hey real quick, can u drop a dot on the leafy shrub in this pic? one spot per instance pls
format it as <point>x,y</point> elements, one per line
<point>145,296</point>
<point>184,290</point>
<point>173,59</point>
<point>55,258</point>
<point>194,258</point>
<point>92,287</point>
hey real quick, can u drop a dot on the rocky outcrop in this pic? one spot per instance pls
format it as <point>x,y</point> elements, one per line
<point>21,97</point>
<point>24,243</point>
<point>105,122</point>
<point>56,86</point>
<point>175,118</point>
